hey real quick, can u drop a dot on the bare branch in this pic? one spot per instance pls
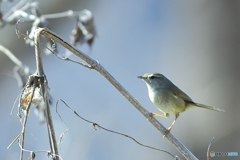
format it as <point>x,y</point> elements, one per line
<point>16,7</point>
<point>208,151</point>
<point>39,151</point>
<point>11,16</point>
<point>10,56</point>
<point>71,60</point>
<point>69,13</point>
<point>22,14</point>
<point>61,136</point>
<point>44,86</point>
<point>99,68</point>
<point>108,130</point>
<point>17,138</point>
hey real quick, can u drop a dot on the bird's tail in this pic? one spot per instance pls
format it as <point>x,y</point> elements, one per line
<point>208,107</point>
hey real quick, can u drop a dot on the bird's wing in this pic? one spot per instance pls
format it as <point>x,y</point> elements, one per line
<point>180,94</point>
<point>177,93</point>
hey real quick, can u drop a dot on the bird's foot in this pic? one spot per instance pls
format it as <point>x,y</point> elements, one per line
<point>150,115</point>
<point>167,131</point>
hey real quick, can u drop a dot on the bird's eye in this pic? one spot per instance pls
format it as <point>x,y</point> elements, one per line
<point>152,77</point>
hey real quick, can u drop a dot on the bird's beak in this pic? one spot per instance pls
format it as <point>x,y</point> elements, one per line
<point>141,77</point>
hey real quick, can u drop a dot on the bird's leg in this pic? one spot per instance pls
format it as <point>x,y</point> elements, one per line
<point>169,129</point>
<point>156,114</point>
<point>162,115</point>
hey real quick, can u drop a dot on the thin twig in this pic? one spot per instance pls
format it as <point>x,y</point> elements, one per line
<point>99,68</point>
<point>71,60</point>
<point>14,140</point>
<point>19,34</point>
<point>22,14</point>
<point>10,16</point>
<point>16,7</point>
<point>39,151</point>
<point>108,130</point>
<point>14,104</point>
<point>22,6</point>
<point>208,151</point>
<point>61,136</point>
<point>11,56</point>
<point>69,13</point>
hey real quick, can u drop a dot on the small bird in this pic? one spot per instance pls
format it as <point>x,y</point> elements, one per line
<point>169,98</point>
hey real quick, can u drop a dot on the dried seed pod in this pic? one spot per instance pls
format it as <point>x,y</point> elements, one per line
<point>84,30</point>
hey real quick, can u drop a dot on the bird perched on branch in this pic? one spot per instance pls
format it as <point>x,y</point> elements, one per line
<point>169,98</point>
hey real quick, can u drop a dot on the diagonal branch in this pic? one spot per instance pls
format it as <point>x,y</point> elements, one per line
<point>11,56</point>
<point>99,68</point>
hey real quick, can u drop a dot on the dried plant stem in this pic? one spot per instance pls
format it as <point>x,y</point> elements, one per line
<point>16,7</point>
<point>26,117</point>
<point>51,132</point>
<point>208,150</point>
<point>69,13</point>
<point>99,68</point>
<point>44,85</point>
<point>11,56</point>
<point>39,63</point>
<point>10,15</point>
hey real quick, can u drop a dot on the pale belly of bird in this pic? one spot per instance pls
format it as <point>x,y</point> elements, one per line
<point>169,105</point>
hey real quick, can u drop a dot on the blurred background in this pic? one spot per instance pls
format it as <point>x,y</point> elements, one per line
<point>195,44</point>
